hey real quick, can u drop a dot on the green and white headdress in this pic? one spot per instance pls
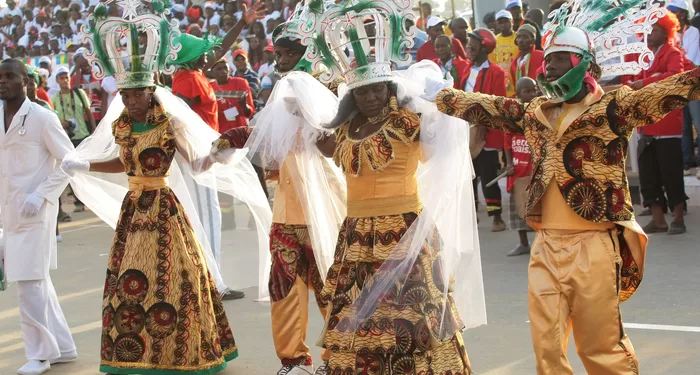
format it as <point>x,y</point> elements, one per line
<point>342,47</point>
<point>115,47</point>
<point>298,31</point>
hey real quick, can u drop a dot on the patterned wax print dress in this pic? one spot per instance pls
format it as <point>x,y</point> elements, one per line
<point>400,336</point>
<point>161,310</point>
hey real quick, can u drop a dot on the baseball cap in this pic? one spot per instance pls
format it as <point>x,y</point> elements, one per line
<point>435,21</point>
<point>269,48</point>
<point>513,3</point>
<point>504,14</point>
<point>675,5</point>
<point>239,52</point>
<point>179,8</point>
<point>45,59</point>
<point>61,70</point>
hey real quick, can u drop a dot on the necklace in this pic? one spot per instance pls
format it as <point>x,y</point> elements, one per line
<point>383,115</point>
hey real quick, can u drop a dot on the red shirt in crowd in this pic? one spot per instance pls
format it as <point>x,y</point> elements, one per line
<point>43,95</point>
<point>427,50</point>
<point>228,117</point>
<point>520,151</point>
<point>192,84</point>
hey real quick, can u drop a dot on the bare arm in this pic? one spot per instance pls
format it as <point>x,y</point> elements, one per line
<point>111,166</point>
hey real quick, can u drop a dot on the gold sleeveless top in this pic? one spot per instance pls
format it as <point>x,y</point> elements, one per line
<point>380,169</point>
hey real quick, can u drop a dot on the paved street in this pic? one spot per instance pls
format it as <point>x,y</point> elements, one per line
<point>663,317</point>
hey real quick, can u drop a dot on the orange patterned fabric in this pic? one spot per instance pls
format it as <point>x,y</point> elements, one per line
<point>161,310</point>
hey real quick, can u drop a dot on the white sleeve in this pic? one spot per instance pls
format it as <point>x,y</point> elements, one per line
<point>691,45</point>
<point>109,84</point>
<point>56,141</point>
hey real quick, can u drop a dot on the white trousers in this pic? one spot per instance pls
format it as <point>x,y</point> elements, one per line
<point>44,328</point>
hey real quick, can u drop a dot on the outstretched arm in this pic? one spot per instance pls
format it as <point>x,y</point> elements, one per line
<point>653,102</point>
<point>232,138</point>
<point>494,112</point>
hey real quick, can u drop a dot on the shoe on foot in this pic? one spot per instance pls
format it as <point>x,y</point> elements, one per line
<point>34,367</point>
<point>64,217</point>
<point>519,250</point>
<point>296,370</point>
<point>652,228</point>
<point>498,226</point>
<point>65,358</point>
<point>322,370</point>
<point>79,208</point>
<point>676,228</point>
<point>229,294</point>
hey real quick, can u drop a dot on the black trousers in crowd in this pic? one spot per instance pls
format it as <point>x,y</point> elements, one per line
<point>661,173</point>
<point>486,166</point>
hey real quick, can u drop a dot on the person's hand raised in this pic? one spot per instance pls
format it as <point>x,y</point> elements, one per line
<point>256,12</point>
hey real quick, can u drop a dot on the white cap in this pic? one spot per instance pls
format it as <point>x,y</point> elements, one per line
<point>513,3</point>
<point>179,8</point>
<point>43,73</point>
<point>45,59</point>
<point>504,14</point>
<point>674,5</point>
<point>434,21</point>
<point>61,70</point>
<point>209,5</point>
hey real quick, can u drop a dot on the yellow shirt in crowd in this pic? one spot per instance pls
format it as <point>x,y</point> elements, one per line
<point>505,52</point>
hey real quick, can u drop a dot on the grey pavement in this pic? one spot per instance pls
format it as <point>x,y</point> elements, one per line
<point>669,296</point>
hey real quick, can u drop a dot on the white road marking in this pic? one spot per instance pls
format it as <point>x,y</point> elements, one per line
<point>79,329</point>
<point>11,313</point>
<point>658,327</point>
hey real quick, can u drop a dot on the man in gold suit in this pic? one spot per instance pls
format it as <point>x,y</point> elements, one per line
<point>588,255</point>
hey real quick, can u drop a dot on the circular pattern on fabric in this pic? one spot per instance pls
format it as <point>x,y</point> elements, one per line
<point>414,294</point>
<point>537,189</point>
<point>108,318</point>
<point>586,199</point>
<point>403,331</point>
<point>106,348</point>
<point>129,319</point>
<point>422,335</point>
<point>110,286</point>
<point>146,200</point>
<point>152,159</point>
<point>161,320</point>
<point>370,364</point>
<point>672,102</point>
<point>129,348</point>
<point>403,365</point>
<point>132,286</point>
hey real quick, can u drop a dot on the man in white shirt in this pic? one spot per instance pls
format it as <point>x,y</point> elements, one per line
<point>210,16</point>
<point>33,144</point>
<point>269,66</point>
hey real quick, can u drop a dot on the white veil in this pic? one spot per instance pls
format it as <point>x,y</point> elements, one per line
<point>103,193</point>
<point>286,131</point>
<point>447,223</point>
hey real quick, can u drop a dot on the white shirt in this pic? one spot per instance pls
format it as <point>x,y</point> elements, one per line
<point>214,20</point>
<point>266,69</point>
<point>471,81</point>
<point>30,163</point>
<point>690,43</point>
<point>109,84</point>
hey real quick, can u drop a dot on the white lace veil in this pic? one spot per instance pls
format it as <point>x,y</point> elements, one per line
<point>103,193</point>
<point>285,132</point>
<point>448,220</point>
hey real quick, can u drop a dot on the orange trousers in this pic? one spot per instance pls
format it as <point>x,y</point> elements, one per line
<point>292,275</point>
<point>574,282</point>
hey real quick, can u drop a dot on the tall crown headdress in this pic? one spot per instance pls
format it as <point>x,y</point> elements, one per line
<point>607,31</point>
<point>300,28</point>
<point>342,43</point>
<point>116,47</point>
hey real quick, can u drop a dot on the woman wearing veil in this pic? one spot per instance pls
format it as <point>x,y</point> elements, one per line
<point>396,301</point>
<point>162,313</point>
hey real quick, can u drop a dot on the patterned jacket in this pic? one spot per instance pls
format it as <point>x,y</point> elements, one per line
<point>586,156</point>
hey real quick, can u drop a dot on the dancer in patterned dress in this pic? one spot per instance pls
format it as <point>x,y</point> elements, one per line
<point>161,312</point>
<point>588,255</point>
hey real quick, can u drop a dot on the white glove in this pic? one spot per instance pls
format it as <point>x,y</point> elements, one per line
<point>72,166</point>
<point>32,205</point>
<point>223,156</point>
<point>433,88</point>
<point>291,105</point>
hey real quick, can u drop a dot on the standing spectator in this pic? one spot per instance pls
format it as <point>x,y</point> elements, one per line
<point>178,11</point>
<point>490,22</point>
<point>257,29</point>
<point>84,78</point>
<point>688,39</point>
<point>520,169</point>
<point>424,15</point>
<point>51,84</point>
<point>243,70</point>
<point>436,27</point>
<point>536,16</point>
<point>11,10</point>
<point>420,39</point>
<point>490,79</point>
<point>268,67</point>
<point>529,59</point>
<point>659,152</point>
<point>235,100</point>
<point>460,29</point>
<point>515,7</point>
<point>452,66</point>
<point>41,93</point>
<point>73,110</point>
<point>210,16</point>
<point>255,53</point>
<point>506,49</point>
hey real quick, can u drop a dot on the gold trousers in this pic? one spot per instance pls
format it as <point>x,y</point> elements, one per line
<point>574,282</point>
<point>292,275</point>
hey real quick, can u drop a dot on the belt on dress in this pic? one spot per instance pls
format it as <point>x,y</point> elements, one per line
<point>139,184</point>
<point>384,206</point>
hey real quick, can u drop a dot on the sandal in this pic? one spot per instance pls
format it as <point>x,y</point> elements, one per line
<point>64,217</point>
